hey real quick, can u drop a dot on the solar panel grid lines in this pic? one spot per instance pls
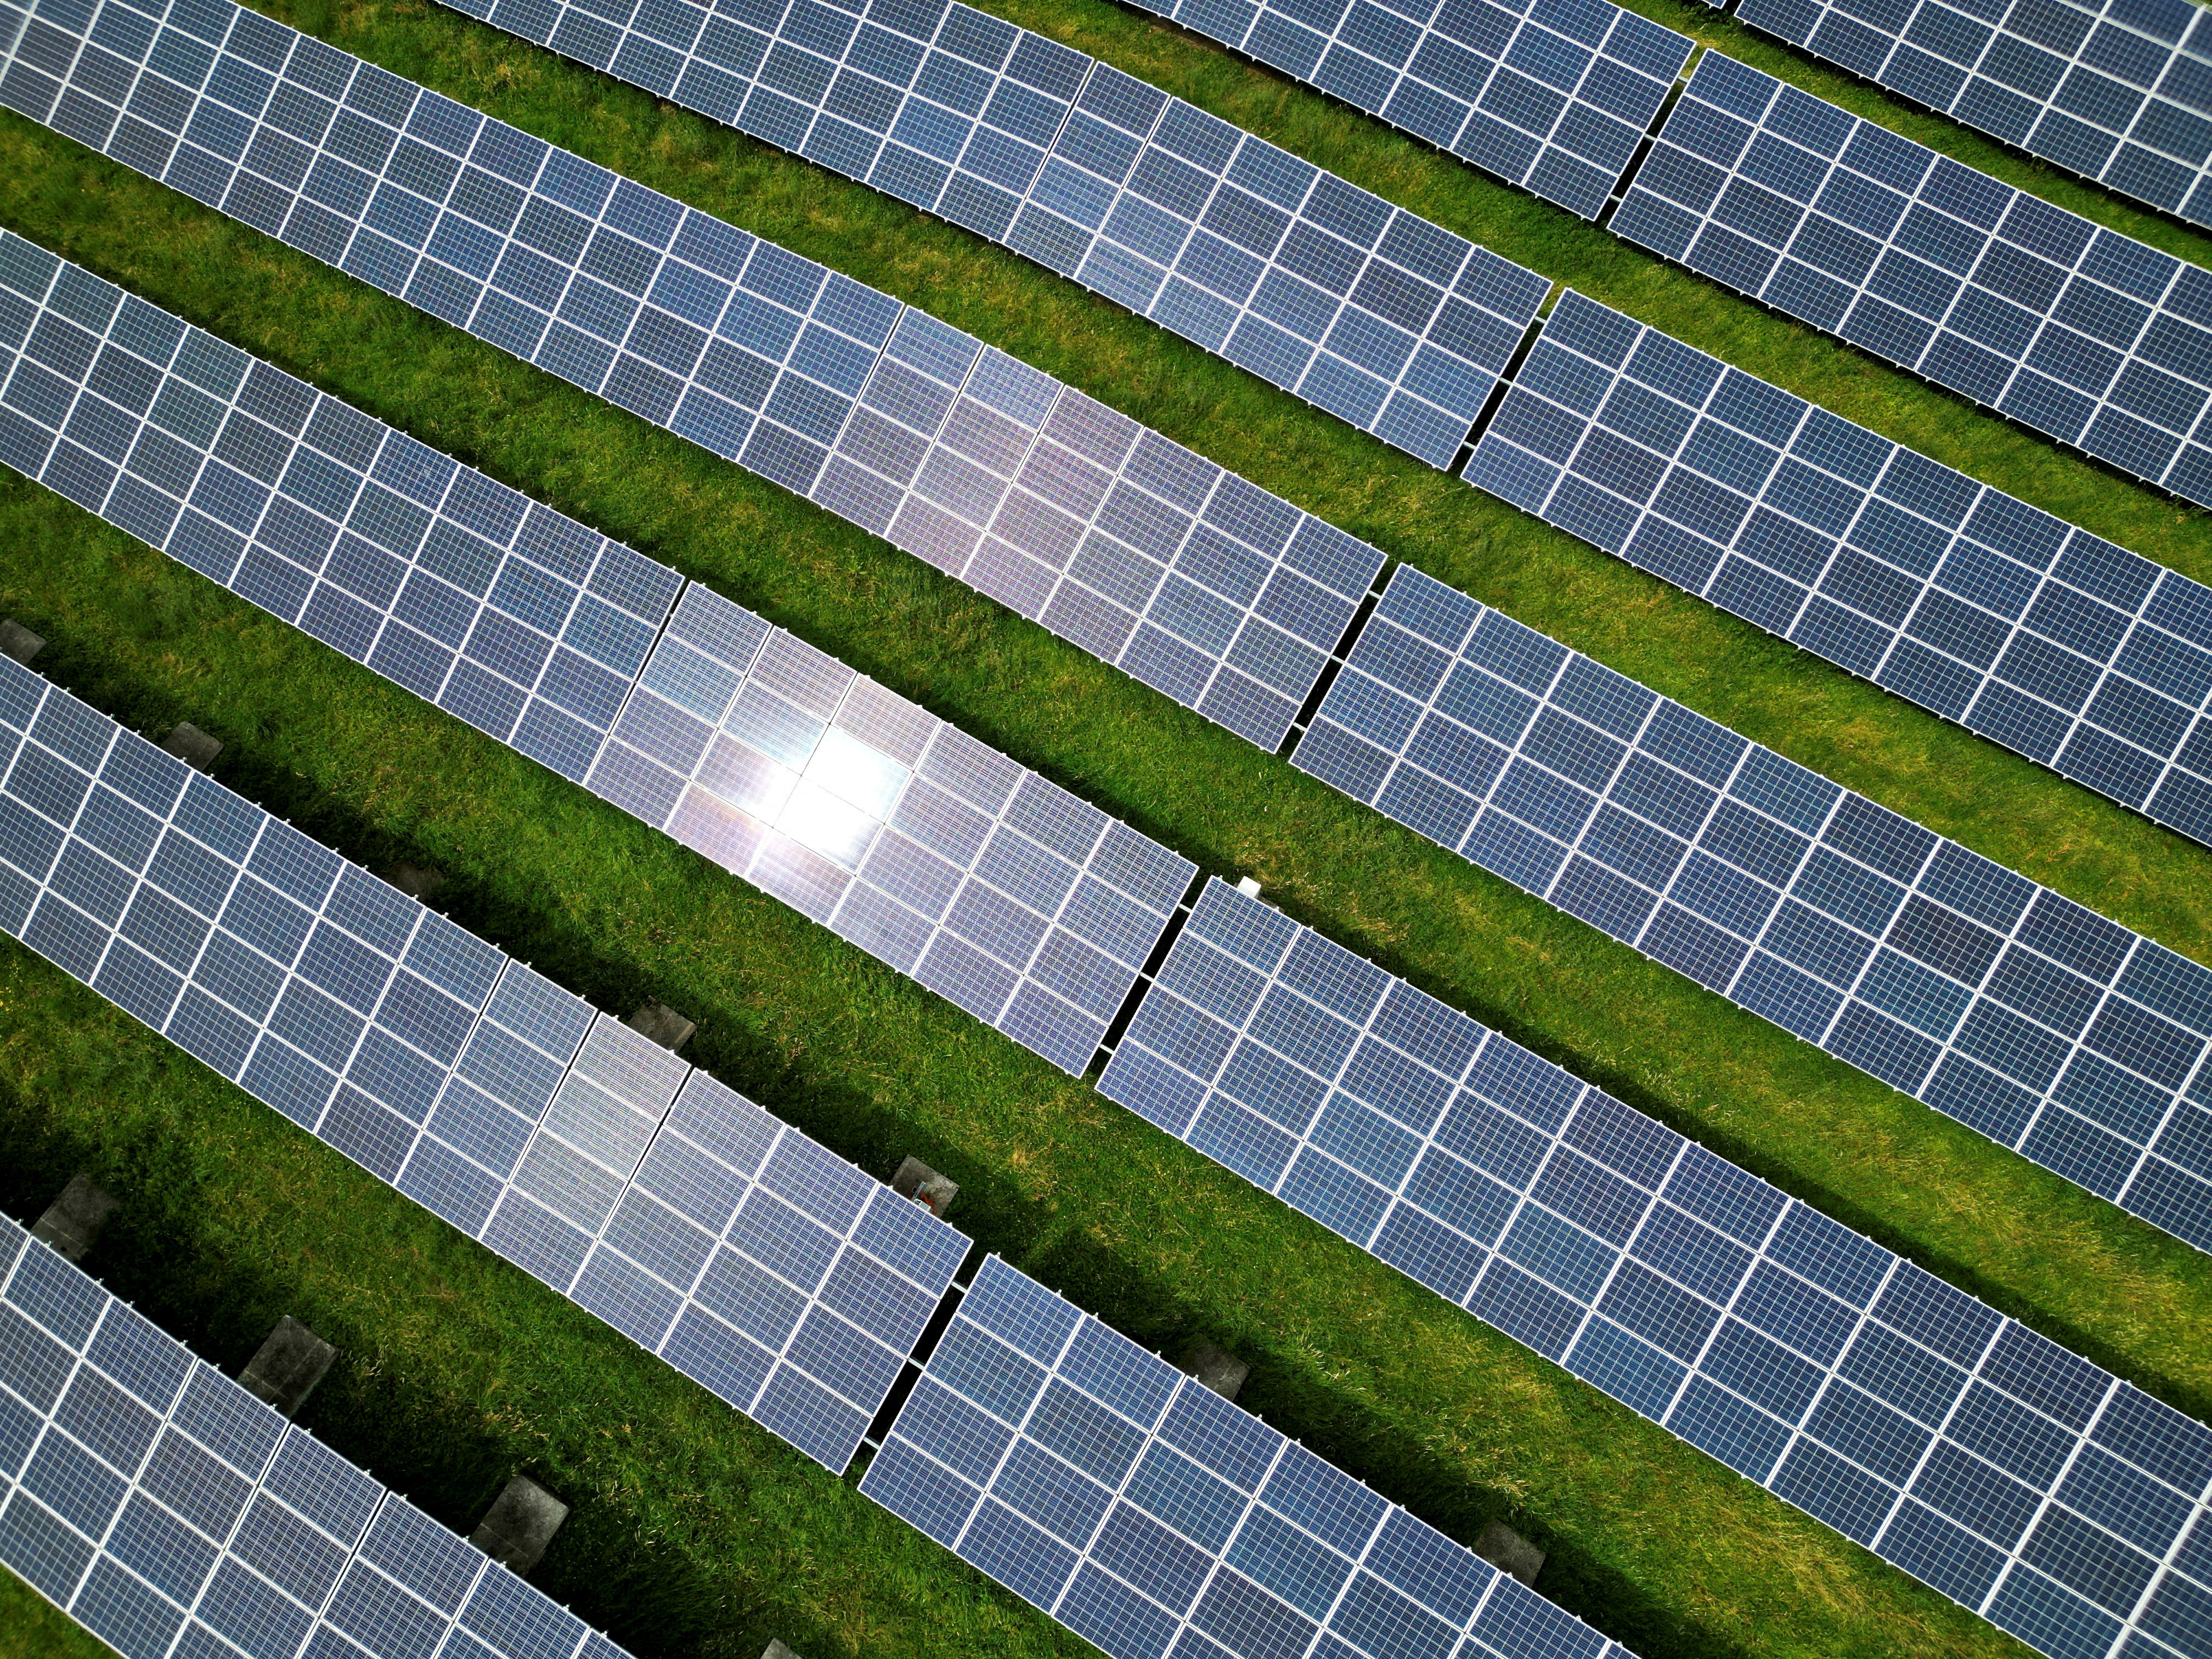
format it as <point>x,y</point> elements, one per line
<point>2031,1020</point>
<point>2080,655</point>
<point>168,1511</point>
<point>1553,97</point>
<point>1954,1442</point>
<point>513,616</point>
<point>2080,333</point>
<point>1324,289</point>
<point>734,345</point>
<point>1146,1513</point>
<point>784,1279</point>
<point>2118,93</point>
<point>991,885</point>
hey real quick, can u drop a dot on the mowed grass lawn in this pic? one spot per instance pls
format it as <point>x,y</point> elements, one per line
<point>694,1533</point>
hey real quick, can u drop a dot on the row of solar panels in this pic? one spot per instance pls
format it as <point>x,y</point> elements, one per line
<point>1955,596</point>
<point>2058,1034</point>
<point>1125,1500</point>
<point>168,1510</point>
<point>2028,1485</point>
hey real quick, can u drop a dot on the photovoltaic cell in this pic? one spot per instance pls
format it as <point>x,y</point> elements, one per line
<point>2050,1029</point>
<point>734,344</point>
<point>1325,290</point>
<point>2120,92</point>
<point>1553,97</point>
<point>2052,642</point>
<point>993,887</point>
<point>168,1511</point>
<point>1146,1513</point>
<point>2087,336</point>
<point>2023,1482</point>
<point>777,1275</point>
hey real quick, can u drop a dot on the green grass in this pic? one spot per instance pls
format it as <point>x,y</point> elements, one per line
<point>696,1533</point>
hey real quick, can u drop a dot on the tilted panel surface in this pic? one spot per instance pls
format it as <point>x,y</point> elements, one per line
<point>2047,1028</point>
<point>518,619</point>
<point>2079,332</point>
<point>990,885</point>
<point>732,343</point>
<point>1326,290</point>
<point>1147,1514</point>
<point>1553,96</point>
<point>2057,1501</point>
<point>2053,641</point>
<point>2121,94</point>
<point>169,1512</point>
<point>781,1277</point>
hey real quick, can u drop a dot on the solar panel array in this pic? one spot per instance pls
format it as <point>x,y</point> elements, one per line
<point>2044,1026</point>
<point>990,885</point>
<point>2079,332</point>
<point>1550,96</point>
<point>1146,1513</point>
<point>518,620</point>
<point>732,343</point>
<point>754,1260</point>
<point>2060,1503</point>
<point>2057,643</point>
<point>168,1511</point>
<point>1376,315</point>
<point>2121,93</point>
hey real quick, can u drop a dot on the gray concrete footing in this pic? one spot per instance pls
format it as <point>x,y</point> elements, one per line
<point>1215,1368</point>
<point>660,1023</point>
<point>917,1181</point>
<point>192,745</point>
<point>1509,1552</point>
<point>519,1524</point>
<point>288,1366</point>
<point>1250,886</point>
<point>415,881</point>
<point>775,1649</point>
<point>19,642</point>
<point>72,1222</point>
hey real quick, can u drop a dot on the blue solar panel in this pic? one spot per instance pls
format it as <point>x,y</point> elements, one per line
<point>168,1511</point>
<point>1225,599</point>
<point>993,887</point>
<point>1553,98</point>
<point>2052,642</point>
<point>756,1261</point>
<point>2065,1036</point>
<point>2079,332</point>
<point>2021,1482</point>
<point>2116,93</point>
<point>1328,291</point>
<point>1147,1514</point>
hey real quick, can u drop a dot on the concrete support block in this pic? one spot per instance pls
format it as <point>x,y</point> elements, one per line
<point>72,1222</point>
<point>917,1181</point>
<point>660,1023</point>
<point>192,745</point>
<point>19,642</point>
<point>1248,885</point>
<point>1509,1552</point>
<point>519,1524</point>
<point>775,1649</point>
<point>1215,1367</point>
<point>415,881</point>
<point>290,1363</point>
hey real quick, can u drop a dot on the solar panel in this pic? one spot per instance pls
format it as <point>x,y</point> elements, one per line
<point>756,1261</point>
<point>1553,98</point>
<point>169,1512</point>
<point>1219,595</point>
<point>2079,332</point>
<point>1325,290</point>
<point>1146,1513</point>
<point>2115,92</point>
<point>2054,642</point>
<point>990,885</point>
<point>2044,1026</point>
<point>2021,1482</point>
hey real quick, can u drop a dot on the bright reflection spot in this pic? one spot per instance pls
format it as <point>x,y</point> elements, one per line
<point>855,773</point>
<point>816,819</point>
